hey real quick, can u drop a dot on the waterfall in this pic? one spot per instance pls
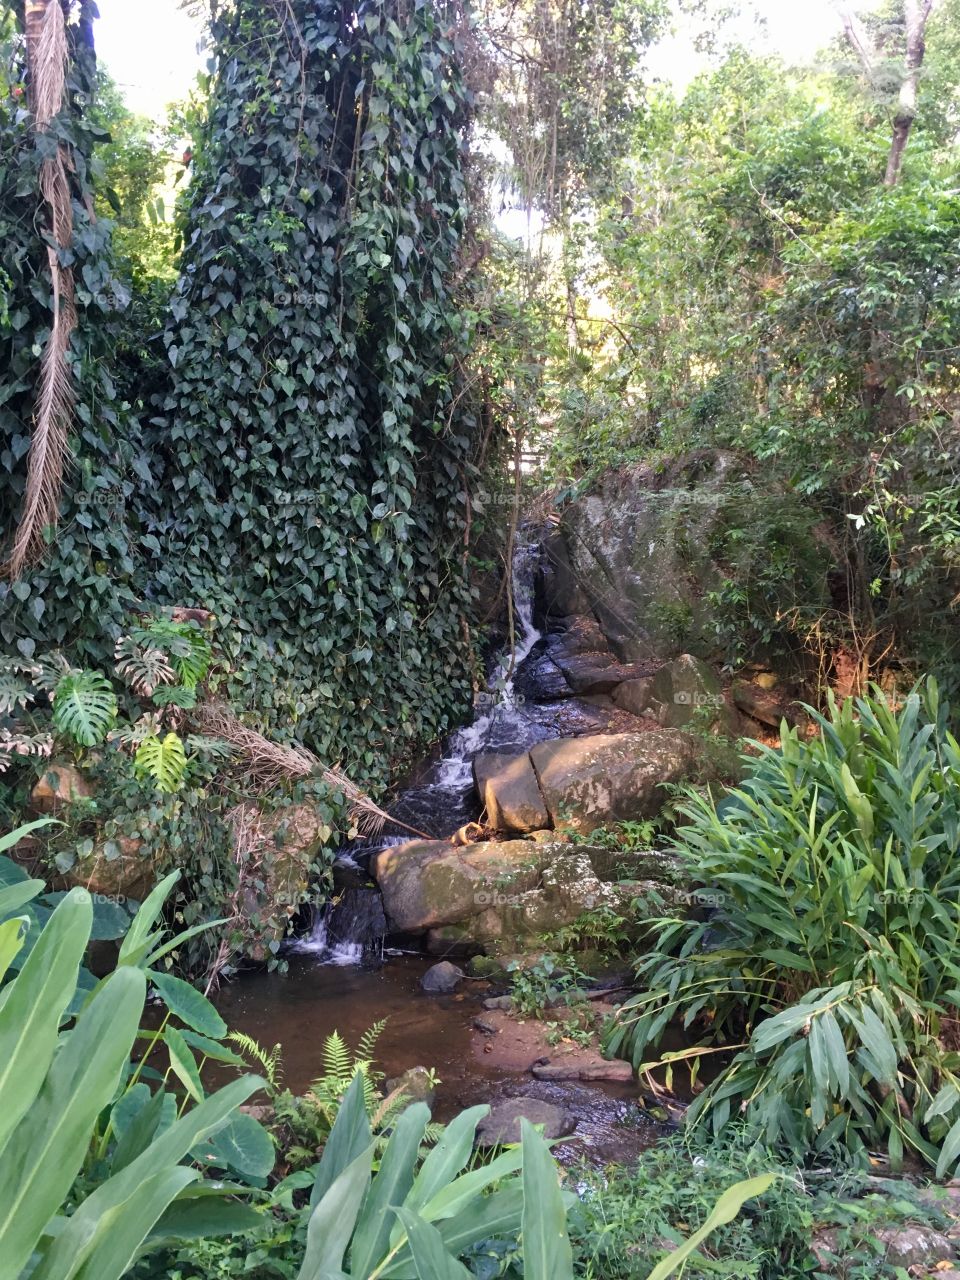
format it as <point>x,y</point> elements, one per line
<point>442,799</point>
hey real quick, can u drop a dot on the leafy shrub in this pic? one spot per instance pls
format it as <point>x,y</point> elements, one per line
<point>628,1216</point>
<point>829,970</point>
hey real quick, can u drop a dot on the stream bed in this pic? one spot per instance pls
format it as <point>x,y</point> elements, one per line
<point>339,979</point>
<point>300,1009</point>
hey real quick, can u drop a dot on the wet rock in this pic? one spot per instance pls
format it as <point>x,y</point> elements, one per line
<point>636,696</point>
<point>600,780</point>
<point>599,1070</point>
<point>682,692</point>
<point>489,967</point>
<point>116,869</point>
<point>575,634</point>
<point>538,679</point>
<point>498,1002</point>
<point>509,792</point>
<point>60,784</point>
<point>417,1085</point>
<point>484,1027</point>
<point>441,978</point>
<point>914,1246</point>
<point>502,1125</point>
<point>451,940</point>
<point>907,1247</point>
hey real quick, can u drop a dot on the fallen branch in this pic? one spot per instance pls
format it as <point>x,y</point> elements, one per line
<point>273,763</point>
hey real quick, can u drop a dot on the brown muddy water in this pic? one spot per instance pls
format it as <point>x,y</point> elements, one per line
<point>300,1009</point>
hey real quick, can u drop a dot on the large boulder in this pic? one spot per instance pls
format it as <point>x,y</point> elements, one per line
<point>502,1125</point>
<point>502,897</point>
<point>601,780</point>
<point>643,551</point>
<point>509,791</point>
<point>428,883</point>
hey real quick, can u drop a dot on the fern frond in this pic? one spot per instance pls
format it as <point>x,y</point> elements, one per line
<point>164,760</point>
<point>368,1041</point>
<point>84,707</point>
<point>337,1060</point>
<point>269,1062</point>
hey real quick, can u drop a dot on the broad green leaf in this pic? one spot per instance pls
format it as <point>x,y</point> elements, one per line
<point>134,946</point>
<point>447,1158</point>
<point>349,1137</point>
<point>389,1188</point>
<point>430,1256</point>
<point>242,1144</point>
<point>16,896</point>
<point>547,1254</point>
<point>166,1149</point>
<point>12,934</point>
<point>332,1222</point>
<point>42,1158</point>
<point>183,1063</point>
<point>34,1004</point>
<point>119,1233</point>
<point>11,838</point>
<point>189,1005</point>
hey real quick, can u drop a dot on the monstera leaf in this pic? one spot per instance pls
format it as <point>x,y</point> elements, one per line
<point>84,707</point>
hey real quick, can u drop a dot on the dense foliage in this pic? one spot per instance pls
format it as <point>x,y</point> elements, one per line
<point>303,467</point>
<point>829,966</point>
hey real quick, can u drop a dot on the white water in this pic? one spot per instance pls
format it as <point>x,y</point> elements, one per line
<point>444,796</point>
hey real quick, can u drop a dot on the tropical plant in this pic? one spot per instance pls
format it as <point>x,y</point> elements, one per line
<point>415,1221</point>
<point>162,759</point>
<point>56,1084</point>
<point>549,980</point>
<point>829,970</point>
<point>84,707</point>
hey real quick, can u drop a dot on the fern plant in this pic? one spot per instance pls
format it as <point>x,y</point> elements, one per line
<point>268,1061</point>
<point>162,759</point>
<point>84,707</point>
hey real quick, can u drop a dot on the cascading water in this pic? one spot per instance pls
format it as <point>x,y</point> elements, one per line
<point>442,798</point>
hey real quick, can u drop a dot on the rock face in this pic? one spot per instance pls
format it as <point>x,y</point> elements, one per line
<point>683,692</point>
<point>594,782</point>
<point>502,1125</point>
<point>502,896</point>
<point>426,883</point>
<point>510,793</point>
<point>641,553</point>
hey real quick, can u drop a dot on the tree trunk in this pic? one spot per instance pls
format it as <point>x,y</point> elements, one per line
<point>916,12</point>
<point>34,12</point>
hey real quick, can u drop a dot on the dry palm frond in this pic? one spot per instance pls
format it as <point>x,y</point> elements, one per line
<point>271,763</point>
<point>48,447</point>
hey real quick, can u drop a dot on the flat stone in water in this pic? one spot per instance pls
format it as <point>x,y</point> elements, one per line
<point>503,1123</point>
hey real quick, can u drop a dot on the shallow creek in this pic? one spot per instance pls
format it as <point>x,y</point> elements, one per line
<point>336,983</point>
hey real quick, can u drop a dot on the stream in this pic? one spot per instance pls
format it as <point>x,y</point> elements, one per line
<point>341,978</point>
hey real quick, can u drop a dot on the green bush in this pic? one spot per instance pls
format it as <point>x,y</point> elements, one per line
<point>829,970</point>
